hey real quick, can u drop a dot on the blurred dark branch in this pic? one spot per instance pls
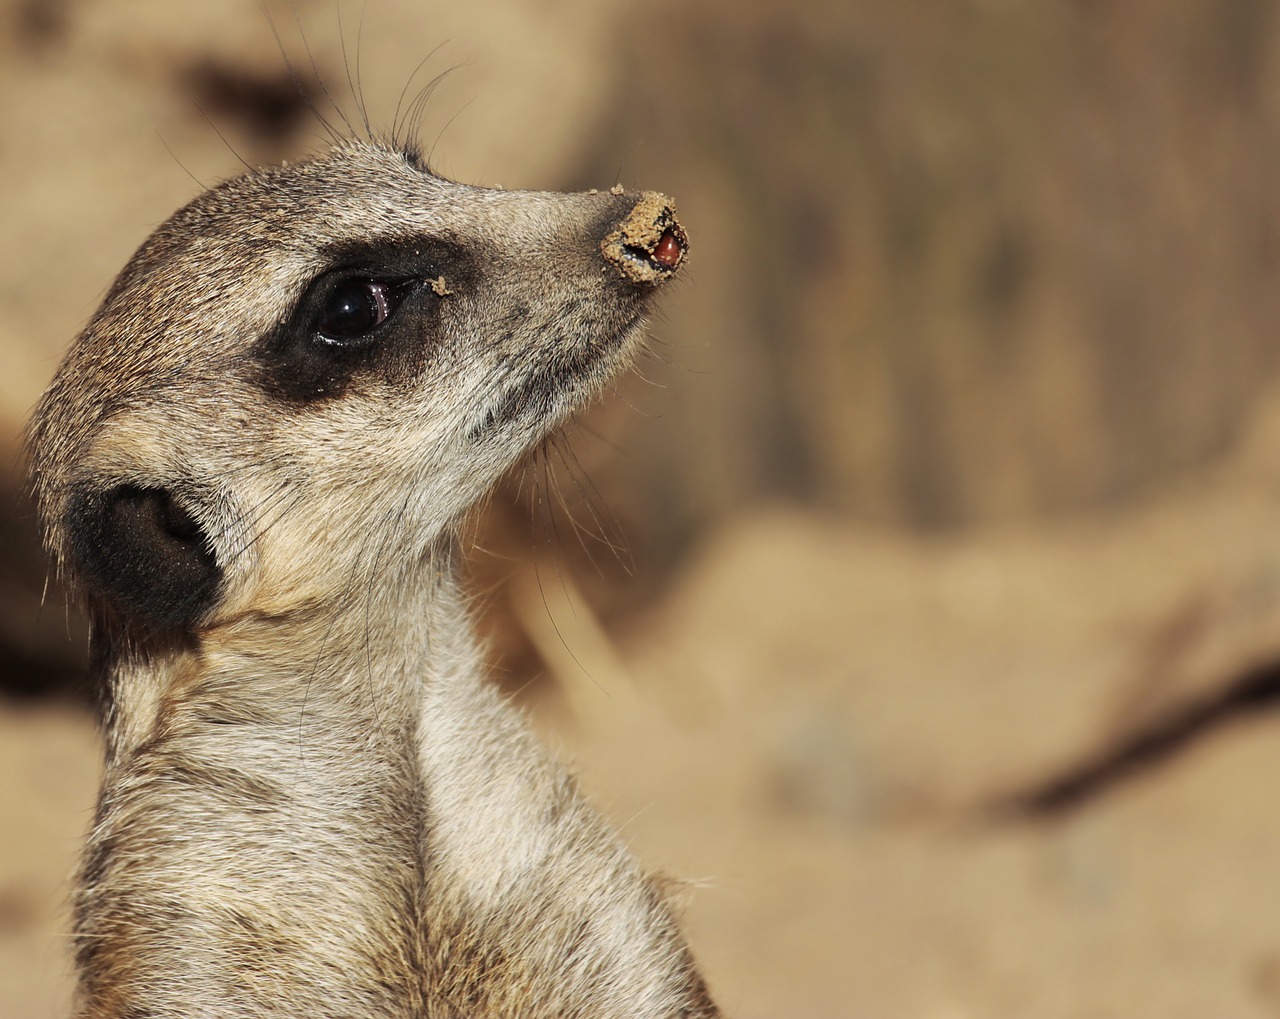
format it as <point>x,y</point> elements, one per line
<point>1139,752</point>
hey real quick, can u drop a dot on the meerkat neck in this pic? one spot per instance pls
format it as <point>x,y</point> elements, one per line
<point>356,661</point>
<point>269,776</point>
<point>370,832</point>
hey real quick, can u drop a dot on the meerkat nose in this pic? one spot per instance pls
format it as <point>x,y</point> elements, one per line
<point>648,244</point>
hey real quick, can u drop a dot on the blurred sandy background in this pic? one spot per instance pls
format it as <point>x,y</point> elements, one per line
<point>952,489</point>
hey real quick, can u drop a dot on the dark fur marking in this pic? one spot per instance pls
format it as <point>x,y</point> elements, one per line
<point>210,712</point>
<point>258,946</point>
<point>294,364</point>
<point>412,152</point>
<point>518,315</point>
<point>145,553</point>
<point>568,359</point>
<point>96,861</point>
<point>237,788</point>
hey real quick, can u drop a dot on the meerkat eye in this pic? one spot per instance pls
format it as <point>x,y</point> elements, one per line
<point>355,308</point>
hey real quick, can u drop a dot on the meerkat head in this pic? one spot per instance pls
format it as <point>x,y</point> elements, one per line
<point>315,359</point>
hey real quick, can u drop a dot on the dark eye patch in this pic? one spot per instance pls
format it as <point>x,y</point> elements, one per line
<point>373,314</point>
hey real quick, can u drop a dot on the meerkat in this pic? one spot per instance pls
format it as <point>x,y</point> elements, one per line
<point>251,465</point>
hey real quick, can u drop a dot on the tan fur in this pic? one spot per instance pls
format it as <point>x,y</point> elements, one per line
<point>313,804</point>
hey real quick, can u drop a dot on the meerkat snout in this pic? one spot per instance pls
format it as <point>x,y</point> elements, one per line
<point>648,245</point>
<point>308,351</point>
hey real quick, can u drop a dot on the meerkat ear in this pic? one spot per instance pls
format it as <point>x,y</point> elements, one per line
<point>144,553</point>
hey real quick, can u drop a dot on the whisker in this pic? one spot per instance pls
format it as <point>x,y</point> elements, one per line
<point>396,126</point>
<point>364,110</point>
<point>390,529</point>
<point>254,523</point>
<point>222,138</point>
<point>335,136</point>
<point>173,155</point>
<point>590,494</point>
<point>417,109</point>
<point>324,88</point>
<point>353,84</point>
<point>555,626</point>
<point>447,124</point>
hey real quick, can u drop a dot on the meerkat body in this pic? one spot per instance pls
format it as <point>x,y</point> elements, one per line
<point>252,463</point>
